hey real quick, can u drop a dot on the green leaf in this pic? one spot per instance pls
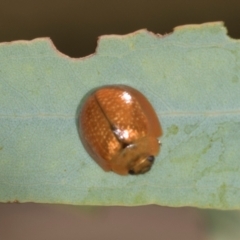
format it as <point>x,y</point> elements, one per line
<point>192,78</point>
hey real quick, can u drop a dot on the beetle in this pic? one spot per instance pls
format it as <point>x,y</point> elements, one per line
<point>120,129</point>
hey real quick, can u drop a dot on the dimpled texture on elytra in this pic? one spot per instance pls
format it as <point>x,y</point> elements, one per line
<point>95,129</point>
<point>124,113</point>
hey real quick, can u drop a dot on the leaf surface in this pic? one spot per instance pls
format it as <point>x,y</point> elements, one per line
<point>192,78</point>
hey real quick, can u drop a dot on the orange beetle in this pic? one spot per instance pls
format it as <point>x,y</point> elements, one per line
<point>119,129</point>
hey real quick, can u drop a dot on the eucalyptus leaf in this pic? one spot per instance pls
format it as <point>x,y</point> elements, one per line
<point>192,78</point>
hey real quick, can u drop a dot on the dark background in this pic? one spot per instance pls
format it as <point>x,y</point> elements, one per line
<point>74,26</point>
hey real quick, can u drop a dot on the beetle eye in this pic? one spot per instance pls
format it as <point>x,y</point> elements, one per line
<point>131,172</point>
<point>151,158</point>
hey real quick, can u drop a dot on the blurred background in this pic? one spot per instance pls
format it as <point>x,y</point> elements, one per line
<point>74,26</point>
